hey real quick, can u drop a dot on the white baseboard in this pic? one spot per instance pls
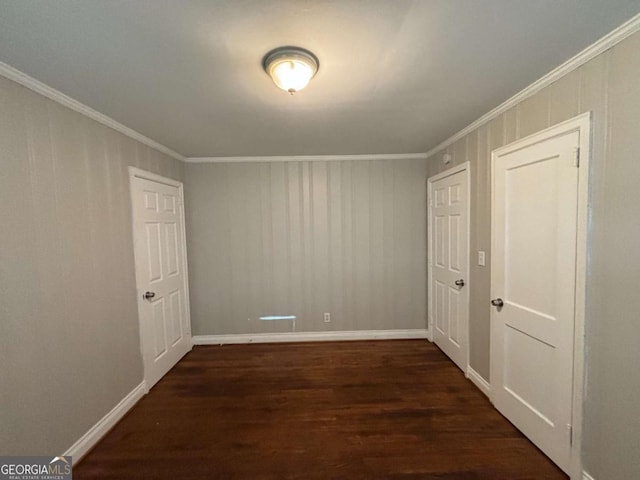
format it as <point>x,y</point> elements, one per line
<point>308,337</point>
<point>586,476</point>
<point>106,423</point>
<point>479,381</point>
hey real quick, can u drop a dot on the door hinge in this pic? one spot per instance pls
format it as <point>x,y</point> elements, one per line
<point>570,432</point>
<point>576,157</point>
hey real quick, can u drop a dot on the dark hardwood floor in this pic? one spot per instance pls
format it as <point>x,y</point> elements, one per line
<point>348,410</point>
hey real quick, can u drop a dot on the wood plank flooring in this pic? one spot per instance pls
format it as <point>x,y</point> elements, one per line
<point>347,410</point>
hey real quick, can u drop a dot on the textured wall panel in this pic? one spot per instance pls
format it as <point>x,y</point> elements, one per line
<point>304,238</point>
<point>69,342</point>
<point>608,87</point>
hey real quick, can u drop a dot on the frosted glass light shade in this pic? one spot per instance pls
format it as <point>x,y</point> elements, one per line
<point>290,68</point>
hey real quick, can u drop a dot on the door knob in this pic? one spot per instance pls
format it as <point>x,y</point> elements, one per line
<point>497,302</point>
<point>149,295</point>
<point>459,283</point>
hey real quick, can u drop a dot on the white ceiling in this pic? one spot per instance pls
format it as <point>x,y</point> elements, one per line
<point>396,76</point>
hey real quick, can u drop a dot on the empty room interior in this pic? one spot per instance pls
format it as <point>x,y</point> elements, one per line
<point>300,239</point>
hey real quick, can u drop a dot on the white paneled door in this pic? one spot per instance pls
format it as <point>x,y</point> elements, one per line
<point>160,253</point>
<point>448,262</point>
<point>533,287</point>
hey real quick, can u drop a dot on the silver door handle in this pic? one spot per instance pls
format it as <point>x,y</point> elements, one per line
<point>459,283</point>
<point>149,295</point>
<point>497,302</point>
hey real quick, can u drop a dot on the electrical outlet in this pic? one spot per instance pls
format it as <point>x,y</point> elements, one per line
<point>481,258</point>
<point>327,317</point>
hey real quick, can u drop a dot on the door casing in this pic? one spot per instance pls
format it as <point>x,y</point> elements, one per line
<point>582,125</point>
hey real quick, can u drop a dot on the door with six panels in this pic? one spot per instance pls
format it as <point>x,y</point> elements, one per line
<point>158,226</point>
<point>448,262</point>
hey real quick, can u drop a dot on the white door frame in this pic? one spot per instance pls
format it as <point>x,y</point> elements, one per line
<point>134,173</point>
<point>582,125</point>
<point>466,166</point>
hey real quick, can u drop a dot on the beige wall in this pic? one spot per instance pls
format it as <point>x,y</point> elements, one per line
<point>69,344</point>
<point>303,238</point>
<point>608,86</point>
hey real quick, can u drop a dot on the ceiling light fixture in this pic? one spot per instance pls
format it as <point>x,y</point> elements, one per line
<point>290,68</point>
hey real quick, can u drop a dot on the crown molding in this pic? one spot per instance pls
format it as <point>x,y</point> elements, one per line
<point>605,43</point>
<point>611,39</point>
<point>37,86</point>
<point>309,158</point>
